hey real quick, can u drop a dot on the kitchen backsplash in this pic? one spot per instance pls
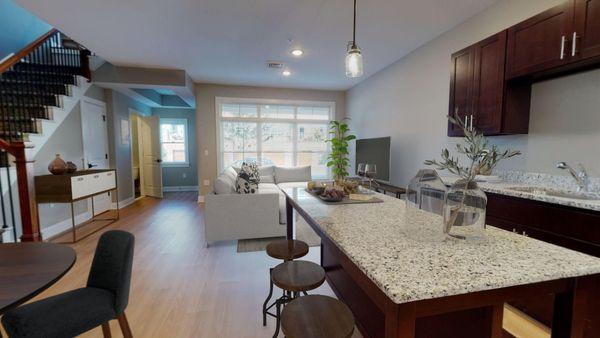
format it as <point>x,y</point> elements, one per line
<point>546,180</point>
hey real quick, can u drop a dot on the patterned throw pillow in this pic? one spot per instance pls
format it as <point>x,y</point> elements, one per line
<point>248,178</point>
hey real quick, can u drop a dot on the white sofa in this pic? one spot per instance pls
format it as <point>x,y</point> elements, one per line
<point>232,216</point>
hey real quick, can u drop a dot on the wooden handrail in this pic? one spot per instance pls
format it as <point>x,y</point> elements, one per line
<point>11,61</point>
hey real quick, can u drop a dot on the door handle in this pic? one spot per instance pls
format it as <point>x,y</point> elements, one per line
<point>574,47</point>
<point>563,40</point>
<point>158,160</point>
<point>90,166</point>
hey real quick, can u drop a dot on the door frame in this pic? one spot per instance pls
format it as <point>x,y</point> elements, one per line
<point>133,111</point>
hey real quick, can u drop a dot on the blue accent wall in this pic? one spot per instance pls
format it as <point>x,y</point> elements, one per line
<point>18,28</point>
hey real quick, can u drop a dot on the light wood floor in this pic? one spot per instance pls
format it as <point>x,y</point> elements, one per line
<point>179,287</point>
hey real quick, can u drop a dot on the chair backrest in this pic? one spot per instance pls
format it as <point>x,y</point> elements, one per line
<point>111,267</point>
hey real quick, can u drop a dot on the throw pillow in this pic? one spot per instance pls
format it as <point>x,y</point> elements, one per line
<point>248,179</point>
<point>295,174</point>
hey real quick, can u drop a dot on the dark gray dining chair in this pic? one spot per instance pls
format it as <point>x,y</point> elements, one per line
<point>72,313</point>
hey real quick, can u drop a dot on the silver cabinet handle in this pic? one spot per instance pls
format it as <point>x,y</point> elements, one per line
<point>466,121</point>
<point>471,125</point>
<point>574,47</point>
<point>563,40</point>
<point>525,234</point>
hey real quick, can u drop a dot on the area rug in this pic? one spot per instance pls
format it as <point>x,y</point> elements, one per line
<point>303,232</point>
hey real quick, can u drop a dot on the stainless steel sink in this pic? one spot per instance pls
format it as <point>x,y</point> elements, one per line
<point>588,196</point>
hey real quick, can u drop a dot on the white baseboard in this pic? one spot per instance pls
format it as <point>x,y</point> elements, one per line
<point>181,188</point>
<point>200,198</point>
<point>65,225</point>
<point>123,203</point>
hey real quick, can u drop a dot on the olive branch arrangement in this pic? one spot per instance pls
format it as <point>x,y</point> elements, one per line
<point>482,160</point>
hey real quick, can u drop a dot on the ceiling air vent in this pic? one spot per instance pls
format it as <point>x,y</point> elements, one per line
<point>275,64</point>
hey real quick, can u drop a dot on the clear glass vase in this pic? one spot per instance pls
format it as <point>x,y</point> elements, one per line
<point>464,210</point>
<point>426,191</point>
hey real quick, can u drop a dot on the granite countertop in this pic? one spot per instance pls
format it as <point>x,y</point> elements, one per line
<point>526,180</point>
<point>403,252</point>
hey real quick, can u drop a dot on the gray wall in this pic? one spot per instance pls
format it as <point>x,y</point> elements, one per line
<point>18,28</point>
<point>409,101</point>
<point>117,106</point>
<point>66,141</point>
<point>174,176</point>
<point>206,122</point>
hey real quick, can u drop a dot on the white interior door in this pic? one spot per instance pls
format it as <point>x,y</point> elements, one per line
<point>151,156</point>
<point>95,145</point>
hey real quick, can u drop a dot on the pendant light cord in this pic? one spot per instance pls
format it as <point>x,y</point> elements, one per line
<point>354,26</point>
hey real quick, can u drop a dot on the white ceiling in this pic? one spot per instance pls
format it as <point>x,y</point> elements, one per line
<point>229,41</point>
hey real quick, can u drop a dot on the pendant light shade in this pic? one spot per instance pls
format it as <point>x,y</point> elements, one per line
<point>354,60</point>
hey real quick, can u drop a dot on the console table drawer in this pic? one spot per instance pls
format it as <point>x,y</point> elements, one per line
<point>71,187</point>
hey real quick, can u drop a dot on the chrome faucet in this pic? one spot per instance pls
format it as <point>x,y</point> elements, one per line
<point>581,176</point>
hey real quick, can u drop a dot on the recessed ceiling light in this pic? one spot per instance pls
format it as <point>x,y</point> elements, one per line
<point>297,52</point>
<point>286,73</point>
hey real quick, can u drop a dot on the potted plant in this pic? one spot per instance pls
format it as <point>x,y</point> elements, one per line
<point>338,158</point>
<point>465,203</point>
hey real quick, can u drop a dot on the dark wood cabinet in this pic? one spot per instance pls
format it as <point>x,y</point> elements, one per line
<point>586,35</point>
<point>572,228</point>
<point>461,83</point>
<point>479,94</point>
<point>541,42</point>
<point>491,81</point>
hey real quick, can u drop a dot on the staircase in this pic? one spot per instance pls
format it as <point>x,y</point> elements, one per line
<point>33,84</point>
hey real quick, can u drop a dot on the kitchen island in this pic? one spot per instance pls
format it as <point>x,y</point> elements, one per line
<point>401,279</point>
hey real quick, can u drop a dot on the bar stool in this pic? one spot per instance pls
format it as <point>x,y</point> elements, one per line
<point>286,250</point>
<point>317,316</point>
<point>295,278</point>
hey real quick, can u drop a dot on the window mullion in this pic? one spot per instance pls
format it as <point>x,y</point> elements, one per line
<point>259,139</point>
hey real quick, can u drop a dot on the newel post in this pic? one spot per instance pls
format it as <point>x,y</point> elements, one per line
<point>27,205</point>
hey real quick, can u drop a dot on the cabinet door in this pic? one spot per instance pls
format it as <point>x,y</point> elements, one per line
<point>488,83</point>
<point>587,29</point>
<point>461,81</point>
<point>541,42</point>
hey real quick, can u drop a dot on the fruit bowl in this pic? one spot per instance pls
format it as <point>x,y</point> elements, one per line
<point>330,198</point>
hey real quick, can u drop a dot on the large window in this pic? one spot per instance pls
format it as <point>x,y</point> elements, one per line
<point>174,142</point>
<point>274,132</point>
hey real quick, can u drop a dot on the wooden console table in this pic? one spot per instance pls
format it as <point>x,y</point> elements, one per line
<point>77,186</point>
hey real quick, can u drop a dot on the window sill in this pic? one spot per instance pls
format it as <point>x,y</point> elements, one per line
<point>175,165</point>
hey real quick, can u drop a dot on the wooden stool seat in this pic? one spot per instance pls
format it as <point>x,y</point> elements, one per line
<point>287,249</point>
<point>298,276</point>
<point>317,316</point>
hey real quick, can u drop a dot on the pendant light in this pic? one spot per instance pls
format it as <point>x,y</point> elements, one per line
<point>354,61</point>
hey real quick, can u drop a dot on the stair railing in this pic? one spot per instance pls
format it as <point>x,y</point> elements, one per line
<point>50,57</point>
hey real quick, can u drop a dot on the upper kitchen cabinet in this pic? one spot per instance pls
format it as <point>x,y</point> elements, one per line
<point>479,93</point>
<point>586,33</point>
<point>541,42</point>
<point>461,83</point>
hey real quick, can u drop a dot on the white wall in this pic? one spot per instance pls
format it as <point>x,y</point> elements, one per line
<point>409,101</point>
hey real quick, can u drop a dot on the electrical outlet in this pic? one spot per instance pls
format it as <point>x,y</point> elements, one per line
<point>205,152</point>
<point>206,183</point>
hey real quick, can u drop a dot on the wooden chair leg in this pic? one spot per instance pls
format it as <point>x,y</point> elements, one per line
<point>124,326</point>
<point>106,330</point>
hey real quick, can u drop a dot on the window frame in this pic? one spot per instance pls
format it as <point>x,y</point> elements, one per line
<point>176,121</point>
<point>259,120</point>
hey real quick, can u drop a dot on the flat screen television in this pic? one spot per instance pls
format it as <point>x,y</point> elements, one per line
<point>375,151</point>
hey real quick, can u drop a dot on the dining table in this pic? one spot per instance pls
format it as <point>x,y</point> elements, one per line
<point>402,277</point>
<point>27,269</point>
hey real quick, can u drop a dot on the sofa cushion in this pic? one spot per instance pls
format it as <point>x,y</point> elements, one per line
<point>267,174</point>
<point>226,182</point>
<point>295,174</point>
<point>272,188</point>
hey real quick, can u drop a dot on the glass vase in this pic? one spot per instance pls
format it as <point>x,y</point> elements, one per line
<point>464,210</point>
<point>426,191</point>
